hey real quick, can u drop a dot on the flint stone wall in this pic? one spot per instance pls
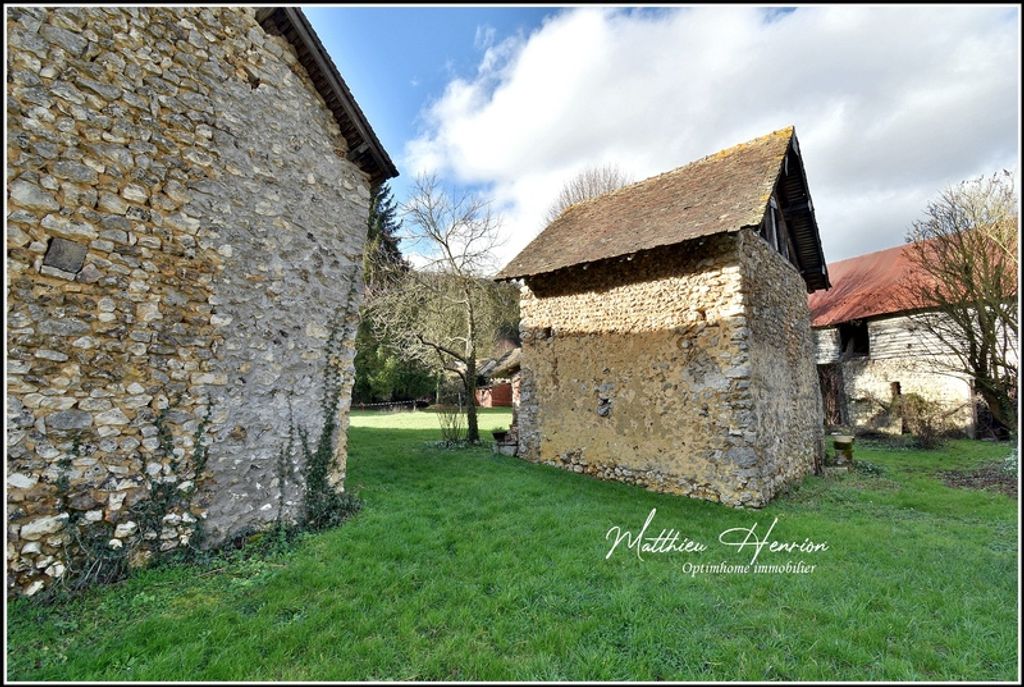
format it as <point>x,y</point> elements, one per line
<point>660,371</point>
<point>788,413</point>
<point>183,230</point>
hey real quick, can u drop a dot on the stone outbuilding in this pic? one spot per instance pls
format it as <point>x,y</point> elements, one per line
<point>187,194</point>
<point>870,349</point>
<point>666,339</point>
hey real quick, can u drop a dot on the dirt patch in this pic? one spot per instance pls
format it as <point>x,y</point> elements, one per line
<point>990,477</point>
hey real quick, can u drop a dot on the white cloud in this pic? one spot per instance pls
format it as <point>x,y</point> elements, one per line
<point>484,37</point>
<point>890,104</point>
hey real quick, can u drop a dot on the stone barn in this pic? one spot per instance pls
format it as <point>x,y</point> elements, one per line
<point>187,194</point>
<point>665,329</point>
<point>870,349</point>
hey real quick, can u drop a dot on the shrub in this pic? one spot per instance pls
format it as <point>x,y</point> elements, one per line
<point>926,420</point>
<point>923,418</point>
<point>453,430</point>
<point>451,414</point>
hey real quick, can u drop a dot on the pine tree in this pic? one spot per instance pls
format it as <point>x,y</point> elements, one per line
<point>382,255</point>
<point>381,375</point>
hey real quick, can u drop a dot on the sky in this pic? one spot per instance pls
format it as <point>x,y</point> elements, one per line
<point>890,104</point>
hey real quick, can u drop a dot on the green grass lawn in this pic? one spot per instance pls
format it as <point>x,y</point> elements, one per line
<point>465,565</point>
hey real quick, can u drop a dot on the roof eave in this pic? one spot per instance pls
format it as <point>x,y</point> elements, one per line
<point>502,276</point>
<point>816,279</point>
<point>366,151</point>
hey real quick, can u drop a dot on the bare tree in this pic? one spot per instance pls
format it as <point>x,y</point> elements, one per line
<point>965,258</point>
<point>590,183</point>
<point>446,312</point>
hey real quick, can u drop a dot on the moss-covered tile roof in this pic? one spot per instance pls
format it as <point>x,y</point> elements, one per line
<point>723,192</point>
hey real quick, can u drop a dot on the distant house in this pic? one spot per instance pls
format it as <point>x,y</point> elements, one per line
<point>501,379</point>
<point>869,349</point>
<point>666,339</point>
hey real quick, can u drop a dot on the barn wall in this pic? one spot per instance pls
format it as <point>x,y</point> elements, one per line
<point>184,234</point>
<point>787,415</point>
<point>900,351</point>
<point>640,371</point>
<point>498,395</point>
<point>826,345</point>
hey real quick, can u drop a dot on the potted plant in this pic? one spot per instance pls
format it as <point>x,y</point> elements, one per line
<point>500,435</point>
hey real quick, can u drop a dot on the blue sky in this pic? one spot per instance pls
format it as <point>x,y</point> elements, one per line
<point>396,59</point>
<point>891,104</point>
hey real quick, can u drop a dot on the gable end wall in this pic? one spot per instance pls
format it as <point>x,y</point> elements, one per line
<point>188,157</point>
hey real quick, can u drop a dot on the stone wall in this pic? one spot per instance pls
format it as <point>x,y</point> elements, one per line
<point>640,370</point>
<point>898,352</point>
<point>787,408</point>
<point>183,235</point>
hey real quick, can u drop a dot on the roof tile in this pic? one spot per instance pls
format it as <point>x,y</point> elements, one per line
<point>723,192</point>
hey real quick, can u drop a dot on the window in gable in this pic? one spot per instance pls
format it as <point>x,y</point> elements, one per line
<point>853,338</point>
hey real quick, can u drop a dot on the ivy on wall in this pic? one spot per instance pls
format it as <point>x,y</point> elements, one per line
<point>102,552</point>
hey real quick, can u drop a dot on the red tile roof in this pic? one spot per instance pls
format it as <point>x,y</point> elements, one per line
<point>865,286</point>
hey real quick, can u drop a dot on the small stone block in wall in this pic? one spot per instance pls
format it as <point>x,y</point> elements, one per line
<point>65,255</point>
<point>505,448</point>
